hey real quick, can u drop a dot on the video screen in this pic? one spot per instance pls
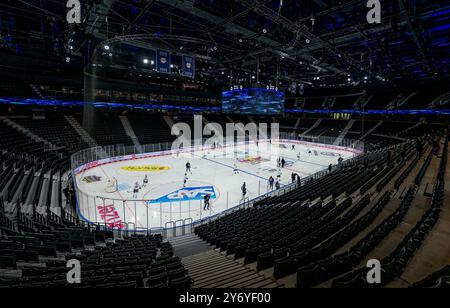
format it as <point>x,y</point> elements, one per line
<point>253,101</point>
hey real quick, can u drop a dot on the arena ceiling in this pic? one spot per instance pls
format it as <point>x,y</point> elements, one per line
<point>314,41</point>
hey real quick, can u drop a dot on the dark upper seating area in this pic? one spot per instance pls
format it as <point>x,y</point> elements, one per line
<point>9,88</point>
<point>345,102</point>
<point>360,128</point>
<point>108,130</point>
<point>30,175</point>
<point>150,128</point>
<point>314,102</point>
<point>17,146</point>
<point>420,100</point>
<point>55,129</point>
<point>329,128</point>
<point>306,123</point>
<point>392,128</point>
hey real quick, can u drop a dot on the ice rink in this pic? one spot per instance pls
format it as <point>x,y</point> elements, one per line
<point>219,172</point>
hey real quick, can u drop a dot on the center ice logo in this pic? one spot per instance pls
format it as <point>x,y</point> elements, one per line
<point>253,160</point>
<point>187,194</point>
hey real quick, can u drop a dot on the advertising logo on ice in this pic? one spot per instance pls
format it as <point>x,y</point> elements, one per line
<point>187,194</point>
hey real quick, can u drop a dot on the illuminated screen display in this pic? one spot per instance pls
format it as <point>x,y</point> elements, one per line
<point>253,101</point>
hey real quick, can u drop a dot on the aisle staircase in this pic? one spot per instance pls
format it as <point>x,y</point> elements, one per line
<point>344,132</point>
<point>37,91</point>
<point>188,245</point>
<point>81,131</point>
<point>169,121</point>
<point>440,101</point>
<point>211,269</point>
<point>130,132</point>
<point>421,121</point>
<point>399,101</point>
<point>318,122</point>
<point>297,124</point>
<point>328,103</point>
<point>370,131</point>
<point>362,102</point>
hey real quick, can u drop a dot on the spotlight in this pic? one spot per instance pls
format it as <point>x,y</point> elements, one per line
<point>152,62</point>
<point>264,30</point>
<point>171,66</point>
<point>106,47</point>
<point>145,61</point>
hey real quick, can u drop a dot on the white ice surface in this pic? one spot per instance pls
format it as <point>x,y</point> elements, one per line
<point>210,168</point>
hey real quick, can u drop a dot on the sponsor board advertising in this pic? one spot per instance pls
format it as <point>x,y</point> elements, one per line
<point>145,168</point>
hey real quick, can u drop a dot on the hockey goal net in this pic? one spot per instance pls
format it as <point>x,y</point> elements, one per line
<point>111,186</point>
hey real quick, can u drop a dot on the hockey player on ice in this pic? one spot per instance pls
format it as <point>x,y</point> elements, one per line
<point>188,167</point>
<point>279,174</point>
<point>244,190</point>
<point>283,163</point>
<point>271,182</point>
<point>185,180</point>
<point>235,169</point>
<point>145,182</point>
<point>207,199</point>
<point>136,190</point>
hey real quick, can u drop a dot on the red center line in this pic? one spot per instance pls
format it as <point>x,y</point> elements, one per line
<point>120,195</point>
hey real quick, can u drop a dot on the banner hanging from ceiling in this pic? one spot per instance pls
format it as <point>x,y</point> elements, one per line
<point>189,66</point>
<point>163,61</point>
<point>301,89</point>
